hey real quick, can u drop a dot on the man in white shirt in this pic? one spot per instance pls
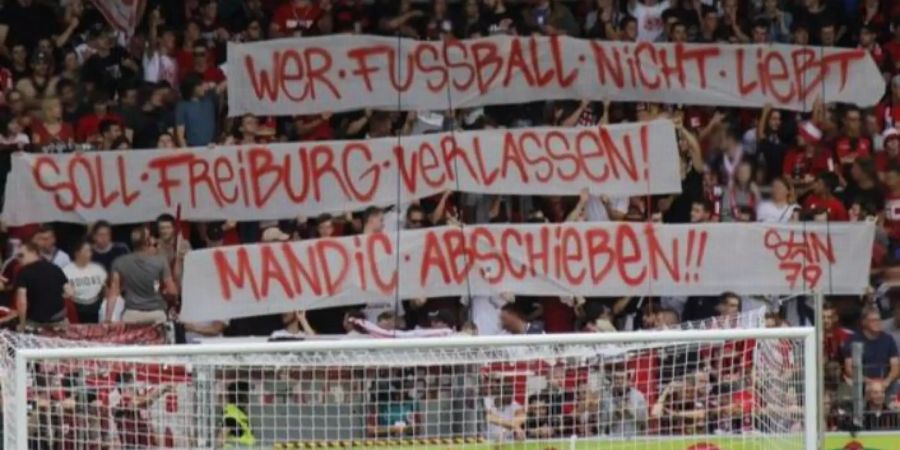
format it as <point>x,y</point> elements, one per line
<point>649,18</point>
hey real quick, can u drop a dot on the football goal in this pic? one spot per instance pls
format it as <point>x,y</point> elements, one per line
<point>722,389</point>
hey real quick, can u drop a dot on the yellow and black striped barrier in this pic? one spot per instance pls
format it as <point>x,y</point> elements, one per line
<point>377,443</point>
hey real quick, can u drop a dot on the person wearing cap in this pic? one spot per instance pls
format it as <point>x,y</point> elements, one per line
<point>804,162</point>
<point>274,234</point>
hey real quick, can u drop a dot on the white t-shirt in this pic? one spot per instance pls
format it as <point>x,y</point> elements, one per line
<point>507,412</point>
<point>87,282</point>
<point>486,314</point>
<point>596,212</point>
<point>59,258</point>
<point>159,67</point>
<point>649,20</point>
<point>769,212</point>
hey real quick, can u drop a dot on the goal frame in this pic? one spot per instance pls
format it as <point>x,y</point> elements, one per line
<point>807,334</point>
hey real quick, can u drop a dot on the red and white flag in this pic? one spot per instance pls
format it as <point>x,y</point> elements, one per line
<point>123,15</point>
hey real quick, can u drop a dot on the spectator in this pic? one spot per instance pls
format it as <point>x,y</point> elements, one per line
<point>135,277</point>
<point>540,423</point>
<point>159,61</point>
<point>103,250</point>
<point>780,208</point>
<point>513,320</point>
<point>649,15</point>
<point>628,413</point>
<point>296,328</point>
<point>40,83</point>
<point>878,414</point>
<point>891,325</point>
<point>778,22</point>
<point>236,430</point>
<point>51,134</point>
<point>892,203</point>
<point>880,359</point>
<point>171,245</point>
<point>26,22</point>
<point>88,280</point>
<point>41,287</point>
<point>45,240</point>
<point>836,336</point>
<point>505,416</point>
<point>851,144</point>
<point>550,17</point>
<point>742,192</point>
<point>195,114</point>
<point>891,150</point>
<point>821,200</point>
<point>397,415</point>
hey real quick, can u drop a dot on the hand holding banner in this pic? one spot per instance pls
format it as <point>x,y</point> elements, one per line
<point>588,259</point>
<point>281,180</point>
<point>340,73</point>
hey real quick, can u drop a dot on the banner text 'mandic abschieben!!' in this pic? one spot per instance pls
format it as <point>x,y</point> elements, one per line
<point>346,72</point>
<point>276,181</point>
<point>589,259</point>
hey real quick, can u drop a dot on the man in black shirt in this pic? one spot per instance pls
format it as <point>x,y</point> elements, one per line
<point>40,289</point>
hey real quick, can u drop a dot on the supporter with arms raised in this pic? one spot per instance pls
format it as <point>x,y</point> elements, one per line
<point>130,406</point>
<point>296,328</point>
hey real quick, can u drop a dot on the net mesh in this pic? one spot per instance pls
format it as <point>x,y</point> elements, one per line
<point>630,395</point>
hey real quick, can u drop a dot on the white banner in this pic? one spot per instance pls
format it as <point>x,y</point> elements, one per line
<point>346,72</point>
<point>285,180</point>
<point>590,259</point>
<point>123,15</point>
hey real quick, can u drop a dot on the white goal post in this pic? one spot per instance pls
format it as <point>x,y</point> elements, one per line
<point>708,389</point>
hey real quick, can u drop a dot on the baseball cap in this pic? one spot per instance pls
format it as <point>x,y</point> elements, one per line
<point>274,234</point>
<point>890,133</point>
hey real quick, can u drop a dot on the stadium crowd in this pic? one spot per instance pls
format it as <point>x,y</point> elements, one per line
<point>72,83</point>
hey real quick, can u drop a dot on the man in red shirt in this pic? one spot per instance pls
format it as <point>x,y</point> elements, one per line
<point>892,48</point>
<point>806,161</point>
<point>888,111</point>
<point>891,152</point>
<point>296,18</point>
<point>851,144</point>
<point>835,334</point>
<point>822,199</point>
<point>892,202</point>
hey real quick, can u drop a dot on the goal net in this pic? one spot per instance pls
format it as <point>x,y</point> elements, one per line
<point>725,389</point>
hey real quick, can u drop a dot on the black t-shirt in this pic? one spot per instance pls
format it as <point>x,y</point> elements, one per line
<point>871,198</point>
<point>43,282</point>
<point>691,191</point>
<point>106,258</point>
<point>28,25</point>
<point>108,72</point>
